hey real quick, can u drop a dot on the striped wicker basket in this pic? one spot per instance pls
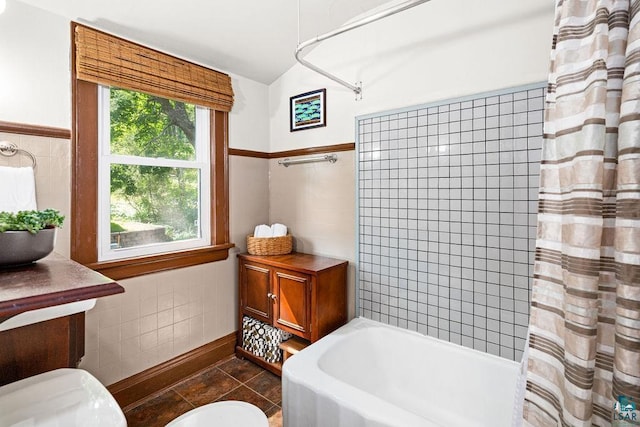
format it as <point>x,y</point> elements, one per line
<point>269,245</point>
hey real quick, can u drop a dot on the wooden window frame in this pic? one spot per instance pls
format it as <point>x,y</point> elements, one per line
<point>84,193</point>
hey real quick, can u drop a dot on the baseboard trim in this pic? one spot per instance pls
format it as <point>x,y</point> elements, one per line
<point>130,391</point>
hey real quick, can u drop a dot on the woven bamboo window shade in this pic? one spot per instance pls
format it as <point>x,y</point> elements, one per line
<point>108,60</point>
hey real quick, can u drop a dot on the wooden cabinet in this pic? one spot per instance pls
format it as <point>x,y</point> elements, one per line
<point>303,294</point>
<point>56,343</point>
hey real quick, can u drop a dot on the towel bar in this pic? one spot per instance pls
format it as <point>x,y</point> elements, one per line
<point>9,149</point>
<point>332,158</point>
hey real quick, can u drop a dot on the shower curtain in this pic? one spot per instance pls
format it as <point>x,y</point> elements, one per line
<point>584,351</point>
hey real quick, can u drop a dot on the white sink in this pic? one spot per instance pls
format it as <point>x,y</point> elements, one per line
<point>48,313</point>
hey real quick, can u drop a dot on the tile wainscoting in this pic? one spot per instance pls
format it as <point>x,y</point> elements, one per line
<point>447,217</point>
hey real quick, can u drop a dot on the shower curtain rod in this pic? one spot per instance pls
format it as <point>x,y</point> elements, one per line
<point>357,88</point>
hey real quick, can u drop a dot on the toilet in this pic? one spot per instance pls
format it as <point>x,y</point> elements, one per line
<point>73,397</point>
<point>231,413</point>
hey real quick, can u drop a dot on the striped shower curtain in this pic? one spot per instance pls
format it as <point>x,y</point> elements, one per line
<point>584,351</point>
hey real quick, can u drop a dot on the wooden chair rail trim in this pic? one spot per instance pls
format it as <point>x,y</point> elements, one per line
<point>248,153</point>
<point>34,130</point>
<point>348,146</point>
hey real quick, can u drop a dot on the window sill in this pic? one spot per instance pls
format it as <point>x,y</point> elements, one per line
<point>133,267</point>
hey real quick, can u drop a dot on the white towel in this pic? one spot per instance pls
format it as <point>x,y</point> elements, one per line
<point>279,230</point>
<point>17,189</point>
<point>262,230</point>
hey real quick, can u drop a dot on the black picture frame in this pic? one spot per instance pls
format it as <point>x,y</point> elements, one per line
<point>308,110</point>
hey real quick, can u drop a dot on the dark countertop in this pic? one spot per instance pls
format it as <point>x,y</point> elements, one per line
<point>53,280</point>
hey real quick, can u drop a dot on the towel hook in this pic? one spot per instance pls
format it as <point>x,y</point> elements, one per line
<point>9,149</point>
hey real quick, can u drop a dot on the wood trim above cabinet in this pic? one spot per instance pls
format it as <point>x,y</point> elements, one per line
<point>34,130</point>
<point>248,153</point>
<point>348,146</point>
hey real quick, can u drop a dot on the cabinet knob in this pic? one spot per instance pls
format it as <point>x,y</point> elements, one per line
<point>272,296</point>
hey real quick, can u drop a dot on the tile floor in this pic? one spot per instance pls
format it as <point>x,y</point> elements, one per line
<point>232,379</point>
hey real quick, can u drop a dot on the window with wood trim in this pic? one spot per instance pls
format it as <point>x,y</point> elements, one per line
<point>143,120</point>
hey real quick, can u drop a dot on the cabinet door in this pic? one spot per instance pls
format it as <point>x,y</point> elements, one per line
<point>292,298</point>
<point>41,347</point>
<point>255,291</point>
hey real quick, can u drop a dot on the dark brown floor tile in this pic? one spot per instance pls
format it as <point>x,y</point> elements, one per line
<point>274,414</point>
<point>245,394</point>
<point>240,369</point>
<point>206,387</point>
<point>158,411</point>
<point>268,385</point>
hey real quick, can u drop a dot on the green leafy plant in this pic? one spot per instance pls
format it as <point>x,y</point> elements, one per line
<point>31,221</point>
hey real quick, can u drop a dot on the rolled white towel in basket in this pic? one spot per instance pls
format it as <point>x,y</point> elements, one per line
<point>17,189</point>
<point>262,230</point>
<point>278,230</point>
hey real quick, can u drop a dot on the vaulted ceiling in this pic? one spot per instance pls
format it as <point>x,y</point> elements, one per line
<point>252,38</point>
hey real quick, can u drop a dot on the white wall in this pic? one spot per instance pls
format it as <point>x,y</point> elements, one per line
<point>35,79</point>
<point>435,51</point>
<point>249,121</point>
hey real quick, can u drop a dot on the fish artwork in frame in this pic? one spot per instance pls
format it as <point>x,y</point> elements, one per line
<point>308,110</point>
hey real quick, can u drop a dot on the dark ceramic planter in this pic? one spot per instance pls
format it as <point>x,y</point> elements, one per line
<point>23,247</point>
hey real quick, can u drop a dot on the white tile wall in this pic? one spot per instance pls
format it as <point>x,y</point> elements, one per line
<point>158,317</point>
<point>447,217</point>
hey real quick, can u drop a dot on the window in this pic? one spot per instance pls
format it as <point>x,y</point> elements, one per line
<point>153,180</point>
<point>149,158</point>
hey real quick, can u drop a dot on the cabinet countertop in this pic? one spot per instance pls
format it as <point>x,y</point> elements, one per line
<point>305,263</point>
<point>53,280</point>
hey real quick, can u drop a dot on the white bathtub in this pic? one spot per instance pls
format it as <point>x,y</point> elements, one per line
<point>370,374</point>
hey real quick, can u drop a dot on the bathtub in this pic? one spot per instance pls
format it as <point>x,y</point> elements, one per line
<point>370,374</point>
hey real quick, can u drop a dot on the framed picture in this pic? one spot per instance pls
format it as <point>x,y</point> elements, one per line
<point>308,110</point>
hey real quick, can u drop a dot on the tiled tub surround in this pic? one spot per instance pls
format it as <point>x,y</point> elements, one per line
<point>447,199</point>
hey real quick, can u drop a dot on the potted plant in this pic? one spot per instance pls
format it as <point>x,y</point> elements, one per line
<point>27,236</point>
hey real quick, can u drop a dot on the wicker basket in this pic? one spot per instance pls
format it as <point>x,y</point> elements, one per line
<point>269,245</point>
